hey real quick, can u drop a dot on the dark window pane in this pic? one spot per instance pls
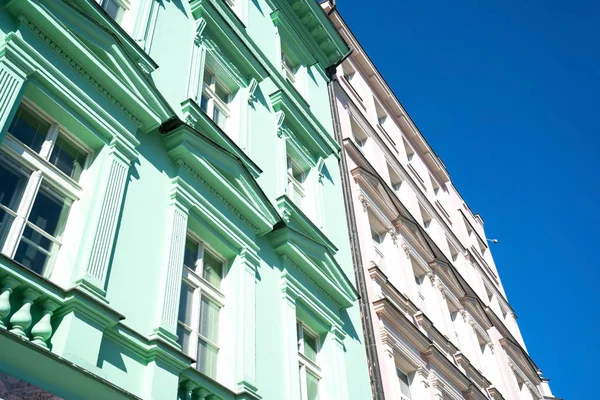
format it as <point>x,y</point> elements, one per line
<point>34,250</point>
<point>12,184</point>
<point>213,270</point>
<point>68,158</point>
<point>185,304</point>
<point>29,129</point>
<point>190,255</point>
<point>5,223</point>
<point>47,211</point>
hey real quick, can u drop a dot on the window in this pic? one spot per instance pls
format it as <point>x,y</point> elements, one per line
<point>289,68</point>
<point>359,136</point>
<point>27,195</point>
<point>200,304</point>
<point>453,250</point>
<point>453,316</point>
<point>114,8</point>
<point>395,179</point>
<point>381,114</point>
<point>404,385</point>
<point>410,153</point>
<point>434,185</point>
<point>426,217</point>
<point>215,99</point>
<point>419,281</point>
<point>378,232</point>
<point>310,373</point>
<point>296,176</point>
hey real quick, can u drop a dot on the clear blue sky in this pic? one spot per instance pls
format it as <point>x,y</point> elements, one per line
<point>507,93</point>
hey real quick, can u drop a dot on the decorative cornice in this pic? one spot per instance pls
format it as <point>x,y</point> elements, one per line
<point>217,194</point>
<point>78,68</point>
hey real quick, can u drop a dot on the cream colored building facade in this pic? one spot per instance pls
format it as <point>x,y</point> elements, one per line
<point>436,318</point>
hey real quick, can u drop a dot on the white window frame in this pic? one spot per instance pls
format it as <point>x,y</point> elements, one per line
<point>293,184</point>
<point>305,364</point>
<point>120,9</point>
<point>212,100</point>
<point>51,179</point>
<point>288,68</point>
<point>201,288</point>
<point>402,395</point>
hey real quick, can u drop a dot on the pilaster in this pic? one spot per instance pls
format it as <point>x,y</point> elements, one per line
<point>245,371</point>
<point>337,362</point>
<point>12,85</point>
<point>179,209</point>
<point>197,62</point>
<point>290,345</point>
<point>98,255</point>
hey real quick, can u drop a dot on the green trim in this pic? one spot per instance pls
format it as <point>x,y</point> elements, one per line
<point>221,169</point>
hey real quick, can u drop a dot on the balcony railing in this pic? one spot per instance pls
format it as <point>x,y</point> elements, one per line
<point>27,303</point>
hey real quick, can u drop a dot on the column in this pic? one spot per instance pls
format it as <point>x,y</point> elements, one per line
<point>419,389</point>
<point>290,341</point>
<point>197,63</point>
<point>338,363</point>
<point>146,23</point>
<point>391,386</point>
<point>180,205</point>
<point>245,366</point>
<point>246,117</point>
<point>281,153</point>
<point>12,86</point>
<point>108,210</point>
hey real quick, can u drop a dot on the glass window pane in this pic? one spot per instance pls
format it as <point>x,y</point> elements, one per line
<point>208,77</point>
<point>206,361</point>
<point>213,270</point>
<point>222,93</point>
<point>49,212</point>
<point>312,387</point>
<point>35,250</point>
<point>219,117</point>
<point>404,385</point>
<point>190,256</point>
<point>185,304</point>
<point>67,158</point>
<point>204,102</point>
<point>310,346</point>
<point>6,221</point>
<point>29,129</point>
<point>209,320</point>
<point>12,184</point>
<point>183,338</point>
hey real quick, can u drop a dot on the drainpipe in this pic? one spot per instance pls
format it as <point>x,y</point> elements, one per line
<point>359,272</point>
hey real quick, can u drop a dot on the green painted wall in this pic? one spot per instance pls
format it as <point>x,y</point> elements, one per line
<point>109,308</point>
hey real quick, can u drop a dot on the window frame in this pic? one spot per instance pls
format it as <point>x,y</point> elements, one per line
<point>201,288</point>
<point>408,384</point>
<point>305,364</point>
<point>52,182</point>
<point>118,17</point>
<point>213,101</point>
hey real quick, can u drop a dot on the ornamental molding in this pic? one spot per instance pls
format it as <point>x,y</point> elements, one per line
<point>200,25</point>
<point>78,68</point>
<point>188,168</point>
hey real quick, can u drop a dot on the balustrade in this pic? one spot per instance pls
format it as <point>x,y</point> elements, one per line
<point>26,306</point>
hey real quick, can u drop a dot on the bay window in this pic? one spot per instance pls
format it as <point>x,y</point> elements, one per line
<point>310,373</point>
<point>39,167</point>
<point>200,304</point>
<point>215,99</point>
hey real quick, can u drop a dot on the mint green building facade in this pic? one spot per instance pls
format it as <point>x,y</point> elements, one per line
<point>171,216</point>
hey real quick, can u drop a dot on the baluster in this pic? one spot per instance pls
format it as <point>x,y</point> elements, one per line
<point>201,394</point>
<point>21,320</point>
<point>186,389</point>
<point>8,285</point>
<point>42,331</point>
